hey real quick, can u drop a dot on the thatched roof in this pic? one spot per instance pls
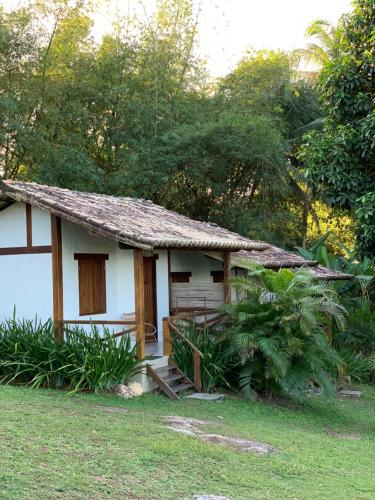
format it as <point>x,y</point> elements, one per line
<point>273,258</point>
<point>324,273</point>
<point>135,222</point>
<point>276,258</point>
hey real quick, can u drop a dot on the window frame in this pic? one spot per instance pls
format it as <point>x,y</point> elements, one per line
<point>94,300</point>
<point>180,276</point>
<point>217,276</point>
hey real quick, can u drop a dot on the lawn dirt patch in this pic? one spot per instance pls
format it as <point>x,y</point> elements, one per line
<point>190,426</point>
<point>340,435</point>
<point>111,409</point>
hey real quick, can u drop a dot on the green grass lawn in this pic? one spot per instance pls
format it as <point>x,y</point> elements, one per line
<point>59,446</point>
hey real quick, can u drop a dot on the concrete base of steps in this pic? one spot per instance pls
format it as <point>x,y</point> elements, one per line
<point>147,383</point>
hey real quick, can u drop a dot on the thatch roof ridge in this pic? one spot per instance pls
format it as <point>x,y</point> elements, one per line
<point>276,258</point>
<point>324,273</point>
<point>132,221</point>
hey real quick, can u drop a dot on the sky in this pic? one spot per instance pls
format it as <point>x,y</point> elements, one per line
<point>228,27</point>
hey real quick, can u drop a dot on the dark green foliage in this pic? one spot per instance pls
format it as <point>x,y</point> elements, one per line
<point>340,160</point>
<point>29,355</point>
<point>363,270</point>
<point>359,333</point>
<point>365,217</point>
<point>356,343</point>
<point>216,362</point>
<point>357,366</point>
<point>277,331</point>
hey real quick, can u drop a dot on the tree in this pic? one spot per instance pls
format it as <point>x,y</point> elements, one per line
<point>327,44</point>
<point>205,168</point>
<point>266,83</point>
<point>340,160</point>
<point>47,130</point>
<point>19,58</point>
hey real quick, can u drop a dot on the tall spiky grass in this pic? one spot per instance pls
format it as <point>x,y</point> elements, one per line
<point>95,361</point>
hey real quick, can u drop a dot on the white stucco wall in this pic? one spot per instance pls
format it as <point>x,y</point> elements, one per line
<point>195,262</point>
<point>41,220</point>
<point>25,280</point>
<point>13,226</point>
<point>26,285</point>
<point>119,273</point>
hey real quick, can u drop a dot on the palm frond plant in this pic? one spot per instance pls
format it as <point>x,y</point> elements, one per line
<point>325,44</point>
<point>278,330</point>
<point>356,344</point>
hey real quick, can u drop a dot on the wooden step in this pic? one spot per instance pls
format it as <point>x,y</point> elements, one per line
<point>170,379</point>
<point>182,387</point>
<point>166,373</point>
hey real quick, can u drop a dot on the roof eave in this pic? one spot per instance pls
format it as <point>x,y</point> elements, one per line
<point>17,195</point>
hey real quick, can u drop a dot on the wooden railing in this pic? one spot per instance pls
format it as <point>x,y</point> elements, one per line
<point>169,323</point>
<point>167,346</point>
<point>132,324</point>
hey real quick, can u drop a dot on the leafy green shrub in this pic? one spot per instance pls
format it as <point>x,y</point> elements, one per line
<point>357,366</point>
<point>359,333</point>
<point>216,361</point>
<point>363,270</point>
<point>356,344</point>
<point>278,332</point>
<point>29,355</point>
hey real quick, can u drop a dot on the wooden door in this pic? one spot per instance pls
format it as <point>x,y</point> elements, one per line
<point>150,296</point>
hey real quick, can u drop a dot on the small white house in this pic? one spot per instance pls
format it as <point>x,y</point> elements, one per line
<point>83,258</point>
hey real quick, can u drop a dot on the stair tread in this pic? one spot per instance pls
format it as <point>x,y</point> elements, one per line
<point>164,372</point>
<point>171,378</point>
<point>181,387</point>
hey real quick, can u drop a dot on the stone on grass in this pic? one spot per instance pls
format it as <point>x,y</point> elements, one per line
<point>347,393</point>
<point>206,397</point>
<point>238,443</point>
<point>136,387</point>
<point>129,391</point>
<point>189,426</point>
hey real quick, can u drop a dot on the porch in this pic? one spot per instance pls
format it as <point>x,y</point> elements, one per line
<point>186,299</point>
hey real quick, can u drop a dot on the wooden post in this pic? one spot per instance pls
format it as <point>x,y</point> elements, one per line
<point>57,278</point>
<point>139,285</point>
<point>197,371</point>
<point>167,345</point>
<point>29,226</point>
<point>227,278</point>
<point>169,282</point>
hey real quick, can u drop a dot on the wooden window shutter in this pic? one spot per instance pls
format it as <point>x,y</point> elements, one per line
<point>92,283</point>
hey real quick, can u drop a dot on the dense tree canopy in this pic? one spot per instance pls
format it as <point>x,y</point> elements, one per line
<point>136,114</point>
